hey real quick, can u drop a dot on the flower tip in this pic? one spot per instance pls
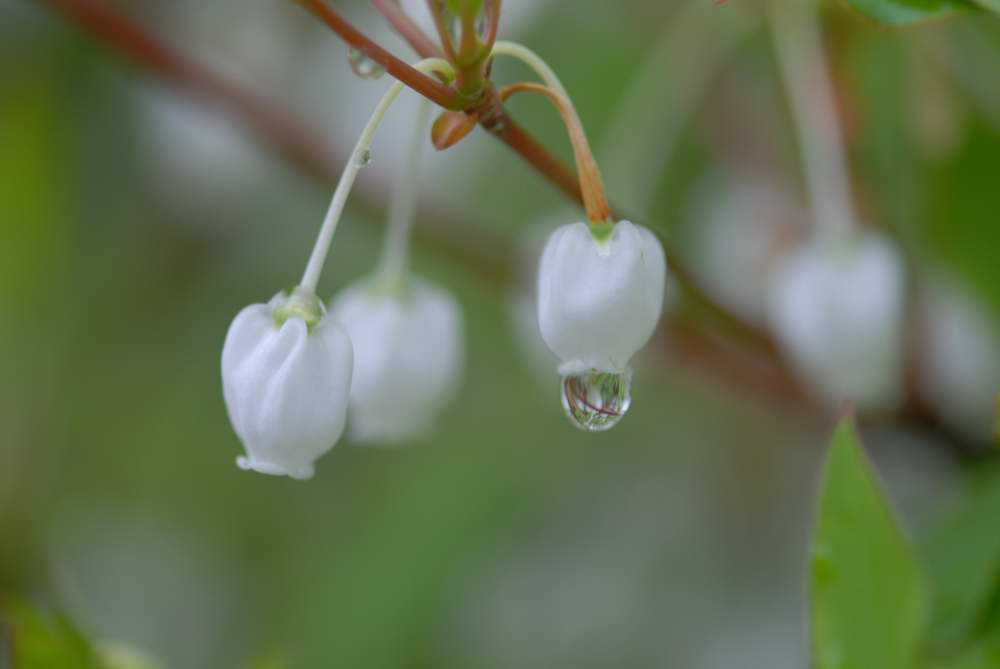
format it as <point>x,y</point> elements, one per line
<point>299,473</point>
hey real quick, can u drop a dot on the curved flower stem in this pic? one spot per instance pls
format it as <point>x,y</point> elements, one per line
<point>359,157</point>
<point>532,60</point>
<point>591,184</point>
<point>402,206</point>
<point>799,44</point>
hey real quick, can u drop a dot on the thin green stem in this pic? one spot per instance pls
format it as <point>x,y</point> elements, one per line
<point>359,157</point>
<point>799,44</point>
<point>532,60</point>
<point>402,206</point>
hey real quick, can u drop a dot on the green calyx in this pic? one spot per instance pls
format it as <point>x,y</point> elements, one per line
<point>390,285</point>
<point>299,303</point>
<point>601,231</point>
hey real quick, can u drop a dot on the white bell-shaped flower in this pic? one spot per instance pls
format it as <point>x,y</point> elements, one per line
<point>599,299</point>
<point>286,373</point>
<point>837,308</point>
<point>408,356</point>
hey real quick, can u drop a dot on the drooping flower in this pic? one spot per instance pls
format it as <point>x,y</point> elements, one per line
<point>600,294</point>
<point>408,355</point>
<point>599,299</point>
<point>286,372</point>
<point>837,309</point>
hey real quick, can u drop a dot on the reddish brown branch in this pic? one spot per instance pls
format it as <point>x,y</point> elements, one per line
<point>407,29</point>
<point>429,87</point>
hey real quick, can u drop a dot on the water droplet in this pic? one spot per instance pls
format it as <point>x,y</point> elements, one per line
<point>363,66</point>
<point>363,158</point>
<point>596,401</point>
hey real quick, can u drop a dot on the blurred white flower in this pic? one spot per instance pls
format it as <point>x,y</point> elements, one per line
<point>959,363</point>
<point>408,357</point>
<point>599,301</point>
<point>743,223</point>
<point>286,373</point>
<point>837,308</point>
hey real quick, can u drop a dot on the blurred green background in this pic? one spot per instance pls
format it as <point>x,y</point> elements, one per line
<point>136,222</point>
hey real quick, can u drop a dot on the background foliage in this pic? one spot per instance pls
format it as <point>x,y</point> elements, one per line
<point>679,539</point>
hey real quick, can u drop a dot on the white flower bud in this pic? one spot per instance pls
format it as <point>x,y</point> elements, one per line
<point>408,356</point>
<point>837,309</point>
<point>599,300</point>
<point>286,372</point>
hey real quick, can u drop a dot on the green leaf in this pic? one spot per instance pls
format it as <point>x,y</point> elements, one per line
<point>905,12</point>
<point>868,603</point>
<point>962,554</point>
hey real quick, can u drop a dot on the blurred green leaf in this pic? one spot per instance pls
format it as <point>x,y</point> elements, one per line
<point>46,642</point>
<point>904,12</point>
<point>962,231</point>
<point>867,591</point>
<point>983,655</point>
<point>962,555</point>
<point>992,5</point>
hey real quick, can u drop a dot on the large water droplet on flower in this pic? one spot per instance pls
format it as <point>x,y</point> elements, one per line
<point>363,66</point>
<point>596,401</point>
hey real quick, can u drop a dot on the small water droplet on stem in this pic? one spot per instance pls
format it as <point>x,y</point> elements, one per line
<point>363,66</point>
